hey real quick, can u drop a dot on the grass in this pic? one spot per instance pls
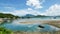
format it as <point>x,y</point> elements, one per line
<point>5,31</point>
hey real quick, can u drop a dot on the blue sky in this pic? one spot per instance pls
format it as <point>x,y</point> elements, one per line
<point>36,7</point>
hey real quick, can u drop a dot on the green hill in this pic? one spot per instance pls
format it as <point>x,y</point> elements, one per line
<point>2,15</point>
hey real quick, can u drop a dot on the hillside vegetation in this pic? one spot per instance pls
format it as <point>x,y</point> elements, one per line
<point>2,15</point>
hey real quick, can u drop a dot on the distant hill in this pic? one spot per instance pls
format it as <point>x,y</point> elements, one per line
<point>29,15</point>
<point>32,16</point>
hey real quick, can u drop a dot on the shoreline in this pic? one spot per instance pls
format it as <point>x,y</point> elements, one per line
<point>39,21</point>
<point>55,23</point>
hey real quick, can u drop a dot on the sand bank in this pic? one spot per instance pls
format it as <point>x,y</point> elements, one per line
<point>39,21</point>
<point>50,22</point>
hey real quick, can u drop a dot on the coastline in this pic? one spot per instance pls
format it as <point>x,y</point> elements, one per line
<point>50,22</point>
<point>53,22</point>
<point>39,21</point>
<point>1,21</point>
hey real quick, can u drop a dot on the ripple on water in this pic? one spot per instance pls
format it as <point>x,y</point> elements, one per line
<point>30,27</point>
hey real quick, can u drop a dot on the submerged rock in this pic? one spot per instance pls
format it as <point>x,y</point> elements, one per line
<point>41,26</point>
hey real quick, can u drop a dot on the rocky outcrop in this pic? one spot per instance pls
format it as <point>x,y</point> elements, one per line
<point>1,20</point>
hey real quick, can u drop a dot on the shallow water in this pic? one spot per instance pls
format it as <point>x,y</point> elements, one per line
<point>16,26</point>
<point>30,27</point>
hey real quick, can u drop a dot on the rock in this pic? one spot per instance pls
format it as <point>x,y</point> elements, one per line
<point>41,26</point>
<point>1,20</point>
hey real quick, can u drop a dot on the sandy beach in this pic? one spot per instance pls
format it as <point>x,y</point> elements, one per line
<point>39,21</point>
<point>50,22</point>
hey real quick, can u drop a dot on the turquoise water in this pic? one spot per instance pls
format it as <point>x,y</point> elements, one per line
<point>29,28</point>
<point>16,26</point>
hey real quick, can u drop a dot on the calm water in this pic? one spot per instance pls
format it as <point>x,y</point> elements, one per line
<point>16,26</point>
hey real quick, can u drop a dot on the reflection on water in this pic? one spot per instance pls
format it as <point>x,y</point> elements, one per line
<point>16,26</point>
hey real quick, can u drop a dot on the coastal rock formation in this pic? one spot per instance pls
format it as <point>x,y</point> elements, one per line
<point>1,20</point>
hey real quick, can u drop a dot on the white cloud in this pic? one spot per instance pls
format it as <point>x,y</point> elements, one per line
<point>12,10</point>
<point>54,10</point>
<point>6,9</point>
<point>32,3</point>
<point>35,3</point>
<point>29,9</point>
<point>26,11</point>
<point>21,12</point>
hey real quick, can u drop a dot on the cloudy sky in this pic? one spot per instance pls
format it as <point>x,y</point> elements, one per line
<point>36,7</point>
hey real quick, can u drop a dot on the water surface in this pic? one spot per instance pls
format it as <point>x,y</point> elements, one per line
<point>17,26</point>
